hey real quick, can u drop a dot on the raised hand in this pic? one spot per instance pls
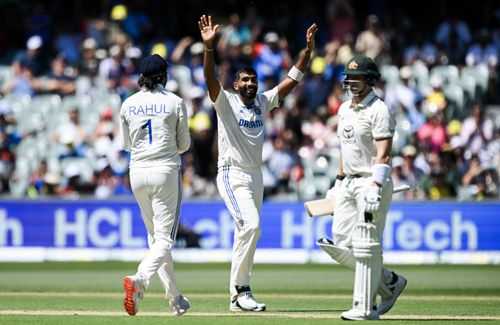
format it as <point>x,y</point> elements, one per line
<point>207,30</point>
<point>311,31</point>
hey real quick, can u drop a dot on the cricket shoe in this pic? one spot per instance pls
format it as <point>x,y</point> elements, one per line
<point>134,292</point>
<point>179,305</point>
<point>245,301</point>
<point>356,314</point>
<point>397,286</point>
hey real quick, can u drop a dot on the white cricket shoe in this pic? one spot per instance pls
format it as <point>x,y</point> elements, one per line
<point>397,287</point>
<point>246,302</point>
<point>179,305</point>
<point>134,292</point>
<point>355,314</point>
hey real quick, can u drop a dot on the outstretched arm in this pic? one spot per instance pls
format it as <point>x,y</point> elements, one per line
<point>208,33</point>
<point>295,74</point>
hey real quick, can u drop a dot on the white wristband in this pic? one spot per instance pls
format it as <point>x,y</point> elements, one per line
<point>295,74</point>
<point>380,173</point>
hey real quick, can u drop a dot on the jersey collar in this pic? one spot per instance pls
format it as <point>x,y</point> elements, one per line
<point>367,101</point>
<point>254,105</point>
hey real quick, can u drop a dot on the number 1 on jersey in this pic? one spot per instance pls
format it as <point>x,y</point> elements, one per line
<point>150,130</point>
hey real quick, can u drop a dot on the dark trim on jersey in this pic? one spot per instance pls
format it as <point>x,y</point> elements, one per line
<point>173,233</point>
<point>230,194</point>
<point>384,138</point>
<point>372,100</point>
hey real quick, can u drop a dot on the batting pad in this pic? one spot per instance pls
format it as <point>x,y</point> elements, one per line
<point>345,256</point>
<point>341,255</point>
<point>368,253</point>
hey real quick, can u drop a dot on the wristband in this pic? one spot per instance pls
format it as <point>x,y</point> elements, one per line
<point>380,173</point>
<point>295,74</point>
<point>340,177</point>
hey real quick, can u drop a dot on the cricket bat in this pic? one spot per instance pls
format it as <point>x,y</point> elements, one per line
<point>323,207</point>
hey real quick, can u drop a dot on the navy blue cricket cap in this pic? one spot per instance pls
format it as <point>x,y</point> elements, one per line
<point>152,65</point>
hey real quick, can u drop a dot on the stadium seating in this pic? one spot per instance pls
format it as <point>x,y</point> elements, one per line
<point>390,74</point>
<point>448,73</point>
<point>480,75</point>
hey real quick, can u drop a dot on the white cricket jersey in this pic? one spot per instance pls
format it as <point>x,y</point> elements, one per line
<point>241,128</point>
<point>155,128</point>
<point>358,129</point>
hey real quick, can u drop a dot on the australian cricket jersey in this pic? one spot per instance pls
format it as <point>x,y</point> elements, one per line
<point>358,128</point>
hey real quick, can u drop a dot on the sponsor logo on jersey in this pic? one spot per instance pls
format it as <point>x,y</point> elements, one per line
<point>250,124</point>
<point>348,131</point>
<point>148,109</point>
<point>348,134</point>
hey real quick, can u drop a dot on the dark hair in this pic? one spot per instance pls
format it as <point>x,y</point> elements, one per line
<point>246,69</point>
<point>151,81</point>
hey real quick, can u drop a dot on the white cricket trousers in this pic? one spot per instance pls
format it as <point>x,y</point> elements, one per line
<point>242,191</point>
<point>158,194</point>
<point>349,208</point>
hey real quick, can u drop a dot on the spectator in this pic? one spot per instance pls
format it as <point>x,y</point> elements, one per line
<point>112,68</point>
<point>420,50</point>
<point>88,66</point>
<point>453,37</point>
<point>235,33</point>
<point>281,162</point>
<point>402,100</point>
<point>477,131</point>
<point>37,179</point>
<point>67,43</point>
<point>432,134</point>
<point>59,81</point>
<point>31,57</point>
<point>412,173</point>
<point>71,136</point>
<point>483,177</point>
<point>315,89</point>
<point>23,82</point>
<point>372,41</point>
<point>342,18</point>
<point>271,59</point>
<point>400,179</point>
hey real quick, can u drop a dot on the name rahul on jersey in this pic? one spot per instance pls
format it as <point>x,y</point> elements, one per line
<point>149,109</point>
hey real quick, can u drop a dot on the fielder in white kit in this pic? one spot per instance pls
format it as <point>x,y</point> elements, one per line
<point>240,118</point>
<point>155,131</point>
<point>363,193</point>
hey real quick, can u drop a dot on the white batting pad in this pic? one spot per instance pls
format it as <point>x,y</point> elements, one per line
<point>341,255</point>
<point>368,253</point>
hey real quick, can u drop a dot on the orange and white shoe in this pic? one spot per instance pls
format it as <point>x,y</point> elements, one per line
<point>134,292</point>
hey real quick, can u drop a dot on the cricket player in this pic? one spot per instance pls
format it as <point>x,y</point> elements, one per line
<point>363,192</point>
<point>240,118</point>
<point>155,131</point>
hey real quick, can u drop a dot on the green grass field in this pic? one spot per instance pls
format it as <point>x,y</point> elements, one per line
<point>91,293</point>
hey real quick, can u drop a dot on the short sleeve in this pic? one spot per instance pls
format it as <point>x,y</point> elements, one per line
<point>384,123</point>
<point>272,98</point>
<point>221,102</point>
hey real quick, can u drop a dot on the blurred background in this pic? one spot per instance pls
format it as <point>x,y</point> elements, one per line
<point>66,66</point>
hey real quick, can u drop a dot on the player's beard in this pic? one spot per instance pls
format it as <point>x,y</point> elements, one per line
<point>248,93</point>
<point>355,89</point>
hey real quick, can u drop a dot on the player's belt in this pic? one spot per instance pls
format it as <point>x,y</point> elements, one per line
<point>358,175</point>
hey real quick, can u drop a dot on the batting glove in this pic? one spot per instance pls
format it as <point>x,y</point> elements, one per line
<point>372,199</point>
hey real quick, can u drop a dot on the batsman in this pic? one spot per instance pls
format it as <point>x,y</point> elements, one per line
<point>363,192</point>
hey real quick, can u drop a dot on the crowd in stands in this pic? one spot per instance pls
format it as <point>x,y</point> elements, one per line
<point>61,94</point>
